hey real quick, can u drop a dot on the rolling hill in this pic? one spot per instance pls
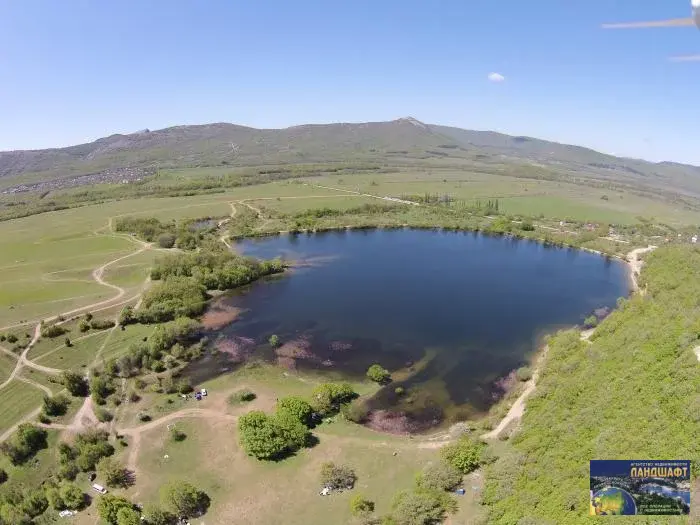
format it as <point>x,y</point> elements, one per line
<point>405,141</point>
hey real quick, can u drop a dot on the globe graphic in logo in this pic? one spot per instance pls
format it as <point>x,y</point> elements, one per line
<point>613,501</point>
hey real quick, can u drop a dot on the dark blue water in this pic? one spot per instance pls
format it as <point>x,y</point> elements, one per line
<point>449,313</point>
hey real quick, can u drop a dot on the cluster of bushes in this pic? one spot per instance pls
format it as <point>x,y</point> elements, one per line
<point>185,279</point>
<point>273,437</point>
<point>84,455</point>
<point>53,330</point>
<point>186,235</point>
<point>169,345</point>
<point>179,499</point>
<point>19,506</point>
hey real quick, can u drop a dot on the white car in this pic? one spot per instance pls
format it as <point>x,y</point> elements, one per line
<point>66,513</point>
<point>203,392</point>
<point>99,488</point>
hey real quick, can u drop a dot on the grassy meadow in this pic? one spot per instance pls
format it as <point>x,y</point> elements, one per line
<point>51,263</point>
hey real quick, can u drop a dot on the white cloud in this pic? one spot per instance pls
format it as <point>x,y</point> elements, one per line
<point>496,77</point>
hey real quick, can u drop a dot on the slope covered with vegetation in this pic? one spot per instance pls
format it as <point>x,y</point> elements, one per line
<point>631,393</point>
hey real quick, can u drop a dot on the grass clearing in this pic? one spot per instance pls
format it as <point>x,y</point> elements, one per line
<point>18,399</point>
<point>120,340</point>
<point>41,378</point>
<point>7,364</point>
<point>78,356</point>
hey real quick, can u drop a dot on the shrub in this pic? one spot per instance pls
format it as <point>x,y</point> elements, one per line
<point>102,324</point>
<point>144,417</point>
<point>241,396</point>
<point>166,240</point>
<point>103,415</point>
<point>52,331</point>
<point>523,373</point>
<point>56,405</point>
<point>3,476</point>
<point>327,397</point>
<point>84,326</point>
<point>378,374</point>
<point>274,341</point>
<point>464,455</point>
<point>337,477</point>
<point>590,322</point>
<point>177,435</point>
<point>12,338</point>
<point>421,507</point>
<point>355,411</point>
<point>439,476</point>
<point>75,384</point>
<point>361,506</point>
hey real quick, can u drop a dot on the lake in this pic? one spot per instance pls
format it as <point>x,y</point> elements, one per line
<point>448,313</point>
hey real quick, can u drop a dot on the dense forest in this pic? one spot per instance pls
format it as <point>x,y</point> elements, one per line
<point>632,392</point>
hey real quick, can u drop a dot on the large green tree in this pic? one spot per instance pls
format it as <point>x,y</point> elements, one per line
<point>300,409</point>
<point>184,499</point>
<point>261,436</point>
<point>109,505</point>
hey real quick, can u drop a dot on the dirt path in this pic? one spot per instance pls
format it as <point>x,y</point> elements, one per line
<point>636,264</point>
<point>518,409</point>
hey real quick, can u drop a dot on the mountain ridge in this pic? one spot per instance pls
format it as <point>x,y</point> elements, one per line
<point>402,141</point>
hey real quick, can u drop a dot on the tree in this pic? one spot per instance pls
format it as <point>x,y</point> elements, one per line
<point>166,240</point>
<point>378,374</point>
<point>3,476</point>
<point>337,477</point>
<point>109,505</point>
<point>421,508</point>
<point>128,516</point>
<point>297,407</point>
<point>274,341</point>
<point>72,497</point>
<point>327,397</point>
<point>55,405</point>
<point>157,516</point>
<point>524,373</point>
<point>464,455</point>
<point>439,476</point>
<point>34,503</point>
<point>261,436</point>
<point>24,443</point>
<point>13,514</point>
<point>114,474</point>
<point>12,338</point>
<point>295,433</point>
<point>75,384</point>
<point>361,506</point>
<point>590,322</point>
<point>184,499</point>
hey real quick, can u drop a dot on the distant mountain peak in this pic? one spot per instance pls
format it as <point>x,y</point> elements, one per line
<point>413,121</point>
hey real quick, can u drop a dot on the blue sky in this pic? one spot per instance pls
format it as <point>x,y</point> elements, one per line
<point>73,71</point>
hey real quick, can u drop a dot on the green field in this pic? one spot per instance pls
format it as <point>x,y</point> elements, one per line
<point>18,399</point>
<point>7,364</point>
<point>76,357</point>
